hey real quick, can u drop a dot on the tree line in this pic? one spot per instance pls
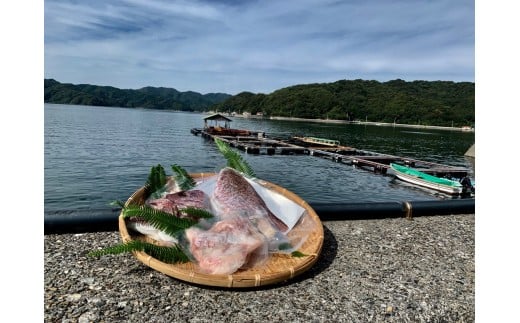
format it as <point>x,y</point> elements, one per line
<point>439,103</point>
<point>147,97</point>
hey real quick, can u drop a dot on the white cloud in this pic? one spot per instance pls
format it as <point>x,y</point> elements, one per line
<point>219,46</point>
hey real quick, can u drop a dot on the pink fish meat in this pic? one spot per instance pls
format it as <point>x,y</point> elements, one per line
<point>233,195</point>
<point>245,233</point>
<point>229,245</point>
<point>175,202</point>
<point>172,203</point>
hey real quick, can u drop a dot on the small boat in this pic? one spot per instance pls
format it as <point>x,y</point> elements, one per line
<point>319,141</point>
<point>195,131</point>
<point>414,176</point>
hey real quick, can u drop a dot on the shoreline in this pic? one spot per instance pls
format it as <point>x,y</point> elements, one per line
<point>369,123</point>
<point>247,116</point>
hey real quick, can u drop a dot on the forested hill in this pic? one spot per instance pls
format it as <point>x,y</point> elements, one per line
<point>440,103</point>
<point>147,97</point>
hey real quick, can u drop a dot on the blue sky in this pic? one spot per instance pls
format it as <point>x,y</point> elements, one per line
<point>258,46</point>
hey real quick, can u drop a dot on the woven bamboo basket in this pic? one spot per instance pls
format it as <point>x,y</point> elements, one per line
<point>279,267</point>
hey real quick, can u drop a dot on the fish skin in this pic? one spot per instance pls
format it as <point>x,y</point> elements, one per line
<point>233,195</point>
<point>192,198</point>
<point>173,203</point>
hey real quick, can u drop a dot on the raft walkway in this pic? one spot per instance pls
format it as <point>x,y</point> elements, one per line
<point>258,143</point>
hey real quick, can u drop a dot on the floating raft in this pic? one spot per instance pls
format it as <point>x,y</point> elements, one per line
<point>259,143</point>
<point>256,142</point>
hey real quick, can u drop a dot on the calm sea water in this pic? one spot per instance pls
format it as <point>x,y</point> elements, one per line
<point>95,155</point>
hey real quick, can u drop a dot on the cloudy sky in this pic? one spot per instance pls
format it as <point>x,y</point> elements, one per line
<point>259,46</point>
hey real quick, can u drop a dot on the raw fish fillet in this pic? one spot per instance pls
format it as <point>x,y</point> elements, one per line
<point>233,195</point>
<point>192,198</point>
<point>171,203</point>
<point>229,245</point>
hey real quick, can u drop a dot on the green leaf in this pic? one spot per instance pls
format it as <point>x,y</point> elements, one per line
<point>160,220</point>
<point>156,181</point>
<point>234,159</point>
<point>284,246</point>
<point>183,179</point>
<point>298,254</point>
<point>117,203</point>
<point>165,254</point>
<point>287,246</point>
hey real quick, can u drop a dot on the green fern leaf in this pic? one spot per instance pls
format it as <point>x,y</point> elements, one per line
<point>156,181</point>
<point>160,220</point>
<point>183,179</point>
<point>234,159</point>
<point>165,254</point>
<point>117,203</point>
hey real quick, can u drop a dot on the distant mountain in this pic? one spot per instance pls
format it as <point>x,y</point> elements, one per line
<point>441,103</point>
<point>147,97</point>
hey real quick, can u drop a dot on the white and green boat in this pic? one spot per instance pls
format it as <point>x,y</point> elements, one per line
<point>414,176</point>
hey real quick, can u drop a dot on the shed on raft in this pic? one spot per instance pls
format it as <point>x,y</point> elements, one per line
<point>215,119</point>
<point>217,124</point>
